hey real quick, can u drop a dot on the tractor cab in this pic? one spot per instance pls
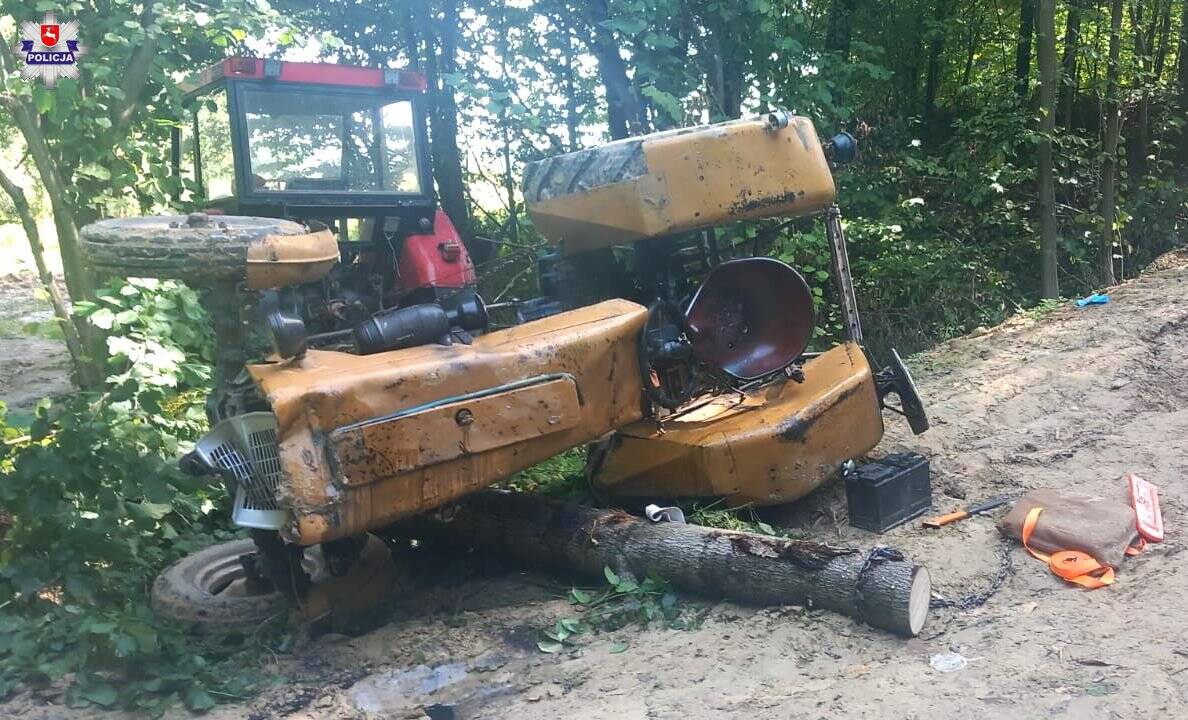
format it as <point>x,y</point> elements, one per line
<point>307,141</point>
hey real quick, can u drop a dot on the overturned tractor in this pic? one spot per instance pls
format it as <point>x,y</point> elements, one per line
<point>359,382</point>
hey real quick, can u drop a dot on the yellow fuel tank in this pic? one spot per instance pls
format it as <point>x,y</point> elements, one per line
<point>679,180</point>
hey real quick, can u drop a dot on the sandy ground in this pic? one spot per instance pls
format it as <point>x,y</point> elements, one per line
<point>32,366</point>
<point>1070,400</point>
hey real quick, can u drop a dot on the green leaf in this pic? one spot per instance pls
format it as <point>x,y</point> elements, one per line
<point>550,646</point>
<point>43,99</point>
<point>198,699</point>
<point>611,577</point>
<point>572,625</point>
<point>618,647</point>
<point>102,318</point>
<point>103,694</point>
<point>95,171</point>
<point>149,510</point>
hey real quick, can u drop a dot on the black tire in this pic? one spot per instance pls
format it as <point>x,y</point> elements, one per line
<point>585,169</point>
<point>178,246</point>
<point>208,588</point>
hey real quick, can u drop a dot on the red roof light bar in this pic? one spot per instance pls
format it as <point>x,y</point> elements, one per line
<point>313,73</point>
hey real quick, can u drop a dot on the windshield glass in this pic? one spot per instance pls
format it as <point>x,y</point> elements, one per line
<point>331,142</point>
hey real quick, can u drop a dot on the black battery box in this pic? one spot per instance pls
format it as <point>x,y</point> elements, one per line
<point>888,492</point>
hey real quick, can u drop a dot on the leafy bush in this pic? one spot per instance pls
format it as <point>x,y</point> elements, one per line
<point>159,333</point>
<point>98,507</point>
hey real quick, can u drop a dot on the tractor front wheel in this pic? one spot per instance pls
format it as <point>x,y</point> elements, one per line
<point>224,587</point>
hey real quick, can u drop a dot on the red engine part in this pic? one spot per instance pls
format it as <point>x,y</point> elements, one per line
<point>437,259</point>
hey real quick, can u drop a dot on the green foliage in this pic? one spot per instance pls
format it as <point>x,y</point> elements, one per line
<point>561,476</point>
<point>98,507</point>
<point>106,164</point>
<point>160,334</point>
<point>741,518</point>
<point>621,602</point>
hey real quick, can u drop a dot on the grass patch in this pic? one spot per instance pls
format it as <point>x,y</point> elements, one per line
<point>561,476</point>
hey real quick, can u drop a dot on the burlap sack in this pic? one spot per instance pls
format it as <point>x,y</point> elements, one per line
<point>1100,526</point>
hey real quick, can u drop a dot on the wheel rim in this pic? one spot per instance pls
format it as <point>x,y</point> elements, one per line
<point>225,576</point>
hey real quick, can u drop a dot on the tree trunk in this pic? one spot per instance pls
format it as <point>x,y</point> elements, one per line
<point>840,27</point>
<point>936,46</point>
<point>80,283</point>
<point>447,159</point>
<point>1068,62</point>
<point>1182,82</point>
<point>1046,37</point>
<point>1182,67</point>
<point>892,594</point>
<point>1142,52</point>
<point>59,304</point>
<point>1164,33</point>
<point>1109,150</point>
<point>1023,48</point>
<point>571,113</point>
<point>624,111</point>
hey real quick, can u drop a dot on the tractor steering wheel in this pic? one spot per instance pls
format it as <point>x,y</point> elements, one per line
<point>666,365</point>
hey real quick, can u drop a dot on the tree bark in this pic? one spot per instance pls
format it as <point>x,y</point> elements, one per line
<point>1164,35</point>
<point>1046,37</point>
<point>59,304</point>
<point>1068,62</point>
<point>889,594</point>
<point>1182,67</point>
<point>1023,48</point>
<point>625,116</point>
<point>936,46</point>
<point>839,30</point>
<point>1109,150</point>
<point>571,106</point>
<point>1182,80</point>
<point>1142,53</point>
<point>80,282</point>
<point>447,159</point>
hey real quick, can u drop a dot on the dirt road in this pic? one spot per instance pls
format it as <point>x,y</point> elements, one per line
<point>1070,400</point>
<point>32,365</point>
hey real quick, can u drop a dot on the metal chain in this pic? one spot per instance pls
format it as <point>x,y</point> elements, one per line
<point>877,554</point>
<point>978,599</point>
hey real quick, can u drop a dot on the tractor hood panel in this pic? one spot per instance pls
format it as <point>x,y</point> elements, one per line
<point>368,439</point>
<point>768,447</point>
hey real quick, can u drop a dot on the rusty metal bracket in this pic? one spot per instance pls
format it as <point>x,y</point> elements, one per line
<point>841,273</point>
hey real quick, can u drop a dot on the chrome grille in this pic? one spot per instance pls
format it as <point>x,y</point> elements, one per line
<point>244,448</point>
<point>261,489</point>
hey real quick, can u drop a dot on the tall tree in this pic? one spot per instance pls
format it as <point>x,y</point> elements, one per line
<point>1023,46</point>
<point>447,157</point>
<point>1068,62</point>
<point>1182,68</point>
<point>1109,149</point>
<point>1182,79</point>
<point>1046,52</point>
<point>840,27</point>
<point>103,137</point>
<point>936,46</point>
<point>625,113</point>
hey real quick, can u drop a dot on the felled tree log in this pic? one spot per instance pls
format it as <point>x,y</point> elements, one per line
<point>889,593</point>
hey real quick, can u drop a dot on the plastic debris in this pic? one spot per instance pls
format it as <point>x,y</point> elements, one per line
<point>948,662</point>
<point>658,514</point>
<point>1094,299</point>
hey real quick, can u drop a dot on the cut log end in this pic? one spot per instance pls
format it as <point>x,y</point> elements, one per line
<point>918,600</point>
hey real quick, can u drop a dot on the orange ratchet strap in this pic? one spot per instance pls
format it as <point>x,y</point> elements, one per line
<point>1071,565</point>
